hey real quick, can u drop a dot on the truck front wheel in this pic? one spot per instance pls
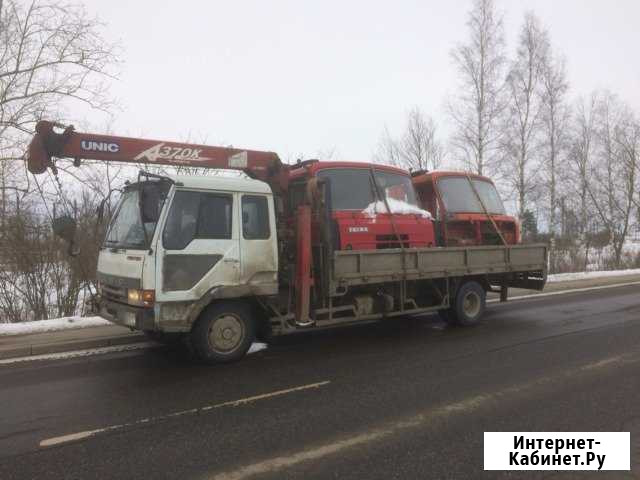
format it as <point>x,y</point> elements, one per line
<point>468,305</point>
<point>223,333</point>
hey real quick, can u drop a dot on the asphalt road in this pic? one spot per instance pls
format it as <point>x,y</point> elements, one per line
<point>406,399</point>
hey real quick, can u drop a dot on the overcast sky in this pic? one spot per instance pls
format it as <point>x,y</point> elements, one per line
<point>305,78</point>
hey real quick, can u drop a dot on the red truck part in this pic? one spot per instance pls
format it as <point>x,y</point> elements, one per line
<point>460,218</point>
<point>48,143</point>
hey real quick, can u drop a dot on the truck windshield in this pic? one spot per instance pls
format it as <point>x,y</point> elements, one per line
<point>459,197</point>
<point>353,188</point>
<point>126,227</point>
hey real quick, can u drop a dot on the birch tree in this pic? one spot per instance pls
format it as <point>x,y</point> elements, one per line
<point>613,180</point>
<point>523,115</point>
<point>555,118</point>
<point>581,155</point>
<point>475,111</point>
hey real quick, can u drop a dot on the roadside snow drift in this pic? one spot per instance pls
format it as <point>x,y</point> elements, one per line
<point>566,277</point>
<point>53,325</point>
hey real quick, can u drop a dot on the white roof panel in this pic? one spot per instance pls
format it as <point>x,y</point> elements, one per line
<point>221,182</point>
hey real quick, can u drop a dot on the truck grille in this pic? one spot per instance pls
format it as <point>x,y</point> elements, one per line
<point>111,292</point>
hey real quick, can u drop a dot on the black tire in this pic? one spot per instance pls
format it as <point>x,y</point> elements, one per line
<point>468,306</point>
<point>223,333</point>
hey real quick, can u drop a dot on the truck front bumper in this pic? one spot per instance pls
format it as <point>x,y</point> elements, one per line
<point>126,315</point>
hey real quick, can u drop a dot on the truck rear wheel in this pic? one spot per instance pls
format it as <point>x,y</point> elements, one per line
<point>468,306</point>
<point>223,333</point>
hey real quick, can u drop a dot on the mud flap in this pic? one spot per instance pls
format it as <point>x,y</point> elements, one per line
<point>529,280</point>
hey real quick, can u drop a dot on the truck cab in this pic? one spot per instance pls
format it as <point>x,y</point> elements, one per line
<point>358,195</point>
<point>460,217</point>
<point>176,243</point>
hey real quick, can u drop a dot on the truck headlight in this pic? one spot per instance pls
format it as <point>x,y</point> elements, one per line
<point>141,298</point>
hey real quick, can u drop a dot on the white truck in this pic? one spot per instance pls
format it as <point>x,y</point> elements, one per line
<point>220,261</point>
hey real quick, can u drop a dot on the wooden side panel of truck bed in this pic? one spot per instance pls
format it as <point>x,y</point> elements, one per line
<point>524,265</point>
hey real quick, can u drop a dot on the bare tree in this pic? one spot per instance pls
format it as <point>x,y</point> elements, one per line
<point>581,155</point>
<point>52,54</point>
<point>387,150</point>
<point>476,110</point>
<point>53,58</point>
<point>613,180</point>
<point>555,117</point>
<point>523,114</point>
<point>418,148</point>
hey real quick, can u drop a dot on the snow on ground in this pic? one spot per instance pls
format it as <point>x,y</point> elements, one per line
<point>256,347</point>
<point>396,206</point>
<point>566,277</point>
<point>53,325</point>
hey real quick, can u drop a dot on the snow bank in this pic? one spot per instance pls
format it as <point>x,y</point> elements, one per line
<point>566,277</point>
<point>53,325</point>
<point>396,206</point>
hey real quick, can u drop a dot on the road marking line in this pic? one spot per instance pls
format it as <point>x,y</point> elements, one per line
<point>419,420</point>
<point>69,438</point>
<point>233,403</point>
<point>562,292</point>
<point>79,353</point>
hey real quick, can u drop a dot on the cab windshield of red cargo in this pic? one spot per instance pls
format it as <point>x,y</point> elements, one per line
<point>353,188</point>
<point>458,195</point>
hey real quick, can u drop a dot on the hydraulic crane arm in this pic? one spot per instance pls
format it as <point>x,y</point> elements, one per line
<point>47,143</point>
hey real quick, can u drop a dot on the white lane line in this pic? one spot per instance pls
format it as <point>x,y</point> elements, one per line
<point>233,403</point>
<point>79,353</point>
<point>422,419</point>
<point>562,292</point>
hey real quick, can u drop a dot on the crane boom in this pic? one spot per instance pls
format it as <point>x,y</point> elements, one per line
<point>48,143</point>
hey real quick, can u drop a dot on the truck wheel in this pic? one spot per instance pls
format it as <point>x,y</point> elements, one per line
<point>468,306</point>
<point>223,333</point>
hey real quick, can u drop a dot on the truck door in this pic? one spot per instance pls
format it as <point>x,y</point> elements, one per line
<point>258,245</point>
<point>199,245</point>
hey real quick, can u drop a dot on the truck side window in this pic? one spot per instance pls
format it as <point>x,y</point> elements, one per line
<point>214,216</point>
<point>255,217</point>
<point>197,215</point>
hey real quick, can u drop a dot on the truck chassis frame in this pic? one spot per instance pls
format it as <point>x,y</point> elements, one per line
<point>439,270</point>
